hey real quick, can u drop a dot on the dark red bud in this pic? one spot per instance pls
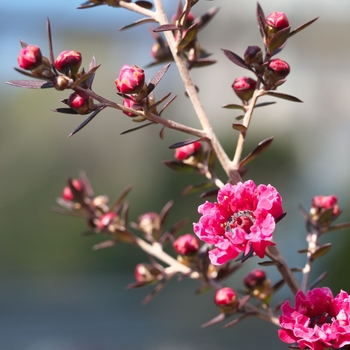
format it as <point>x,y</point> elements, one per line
<point>253,56</point>
<point>67,193</point>
<point>80,102</point>
<point>106,220</point>
<point>186,245</point>
<point>68,60</point>
<point>322,204</point>
<point>226,299</point>
<point>130,104</point>
<point>276,70</point>
<point>29,57</point>
<point>254,278</point>
<point>146,273</point>
<point>276,21</point>
<point>187,151</point>
<point>131,80</point>
<point>244,88</point>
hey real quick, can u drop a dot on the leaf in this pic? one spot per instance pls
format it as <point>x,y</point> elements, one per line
<point>206,18</point>
<point>166,27</point>
<point>268,263</point>
<point>23,43</point>
<point>215,320</point>
<point>86,121</point>
<point>318,280</point>
<point>137,128</point>
<point>88,4</point>
<point>239,319</point>
<point>201,63</point>
<point>105,244</point>
<point>262,146</point>
<point>261,20</point>
<point>52,57</point>
<point>278,39</point>
<point>190,35</point>
<point>64,110</point>
<point>30,84</point>
<point>263,104</point>
<point>157,78</point>
<point>85,76</point>
<point>120,198</point>
<point>209,193</point>
<point>196,188</point>
<point>236,59</point>
<point>240,127</point>
<point>303,26</point>
<point>184,143</point>
<point>137,23</point>
<point>283,96</point>
<point>152,108</point>
<point>338,227</point>
<point>203,289</point>
<point>233,106</point>
<point>144,4</point>
<point>166,105</point>
<point>157,289</point>
<point>322,250</point>
<point>165,212</point>
<point>180,166</point>
<point>239,117</point>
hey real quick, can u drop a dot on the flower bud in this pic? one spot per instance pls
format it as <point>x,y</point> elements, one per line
<point>131,80</point>
<point>253,56</point>
<point>130,104</point>
<point>244,88</point>
<point>276,21</point>
<point>186,245</point>
<point>226,299</point>
<point>160,52</point>
<point>257,284</point>
<point>146,273</point>
<point>80,102</point>
<point>68,60</point>
<point>275,71</point>
<point>106,221</point>
<point>324,209</point>
<point>67,193</point>
<point>29,57</point>
<point>187,151</point>
<point>149,224</point>
<point>62,82</point>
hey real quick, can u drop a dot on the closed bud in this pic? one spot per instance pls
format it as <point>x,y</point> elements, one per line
<point>107,221</point>
<point>253,56</point>
<point>80,102</point>
<point>149,224</point>
<point>276,21</point>
<point>276,70</point>
<point>131,80</point>
<point>184,152</point>
<point>29,57</point>
<point>62,82</point>
<point>226,299</point>
<point>67,193</point>
<point>146,273</point>
<point>130,104</point>
<point>257,284</point>
<point>186,245</point>
<point>244,88</point>
<point>161,52</point>
<point>68,60</point>
<point>324,209</point>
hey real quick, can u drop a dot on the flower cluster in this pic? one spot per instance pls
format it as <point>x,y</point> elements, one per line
<point>242,220</point>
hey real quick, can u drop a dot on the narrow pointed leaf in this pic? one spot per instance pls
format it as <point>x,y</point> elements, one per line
<point>338,227</point>
<point>161,133</point>
<point>49,35</point>
<point>195,188</point>
<point>165,211</point>
<point>86,121</point>
<point>261,20</point>
<point>23,43</point>
<point>209,194</point>
<point>144,4</point>
<point>202,63</point>
<point>322,250</point>
<point>240,127</point>
<point>151,108</point>
<point>30,84</point>
<point>206,18</point>
<point>64,110</point>
<point>166,27</point>
<point>179,166</point>
<point>137,128</point>
<point>279,39</point>
<point>277,286</point>
<point>233,106</point>
<point>215,320</point>
<point>239,117</point>
<point>28,74</point>
<point>157,78</point>
<point>318,280</point>
<point>236,59</point>
<point>105,244</point>
<point>167,104</point>
<point>268,263</point>
<point>157,289</point>
<point>283,96</point>
<point>262,146</point>
<point>263,104</point>
<point>86,76</point>
<point>137,23</point>
<point>237,320</point>
<point>88,4</point>
<point>184,143</point>
<point>303,251</point>
<point>190,35</point>
<point>303,26</point>
<point>121,197</point>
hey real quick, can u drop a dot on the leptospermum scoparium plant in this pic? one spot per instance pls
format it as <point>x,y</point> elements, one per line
<point>239,217</point>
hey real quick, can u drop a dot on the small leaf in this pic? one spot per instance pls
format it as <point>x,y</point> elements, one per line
<point>283,96</point>
<point>64,110</point>
<point>206,18</point>
<point>215,320</point>
<point>144,4</point>
<point>30,84</point>
<point>190,35</point>
<point>85,76</point>
<point>240,127</point>
<point>151,108</point>
<point>268,263</point>
<point>105,244</point>
<point>165,212</point>
<point>277,286</point>
<point>338,227</point>
<point>322,250</point>
<point>52,57</point>
<point>23,43</point>
<point>88,4</point>
<point>236,59</point>
<point>137,23</point>
<point>278,39</point>
<point>318,280</point>
<point>179,166</point>
<point>203,289</point>
<point>196,188</point>
<point>239,117</point>
<point>157,78</point>
<point>233,106</point>
<point>303,26</point>
<point>237,320</point>
<point>303,251</point>
<point>120,198</point>
<point>262,146</point>
<point>263,104</point>
<point>183,143</point>
<point>157,289</point>
<point>261,20</point>
<point>137,128</point>
<point>166,105</point>
<point>209,194</point>
<point>202,63</point>
<point>166,27</point>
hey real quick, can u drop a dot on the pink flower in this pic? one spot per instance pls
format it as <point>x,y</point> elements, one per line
<point>318,320</point>
<point>242,220</point>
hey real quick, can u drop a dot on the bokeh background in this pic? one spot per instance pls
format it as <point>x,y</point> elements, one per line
<point>55,293</point>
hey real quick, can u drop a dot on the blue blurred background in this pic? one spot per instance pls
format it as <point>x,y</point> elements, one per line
<point>58,294</point>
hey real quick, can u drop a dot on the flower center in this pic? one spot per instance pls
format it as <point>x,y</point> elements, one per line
<point>243,219</point>
<point>319,320</point>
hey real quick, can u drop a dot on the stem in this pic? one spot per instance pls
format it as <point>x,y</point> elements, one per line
<point>274,254</point>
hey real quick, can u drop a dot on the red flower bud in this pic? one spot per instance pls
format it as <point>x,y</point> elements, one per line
<point>244,88</point>
<point>106,220</point>
<point>29,57</point>
<point>67,193</point>
<point>186,245</point>
<point>130,104</point>
<point>226,299</point>
<point>187,151</point>
<point>324,209</point>
<point>80,102</point>
<point>276,21</point>
<point>131,80</point>
<point>276,70</point>
<point>253,56</point>
<point>254,278</point>
<point>68,59</point>
<point>146,273</point>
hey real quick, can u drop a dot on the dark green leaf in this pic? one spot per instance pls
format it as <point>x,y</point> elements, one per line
<point>263,104</point>
<point>322,250</point>
<point>65,110</point>
<point>209,193</point>
<point>144,4</point>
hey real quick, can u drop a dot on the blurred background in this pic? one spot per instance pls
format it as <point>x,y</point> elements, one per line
<point>58,294</point>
